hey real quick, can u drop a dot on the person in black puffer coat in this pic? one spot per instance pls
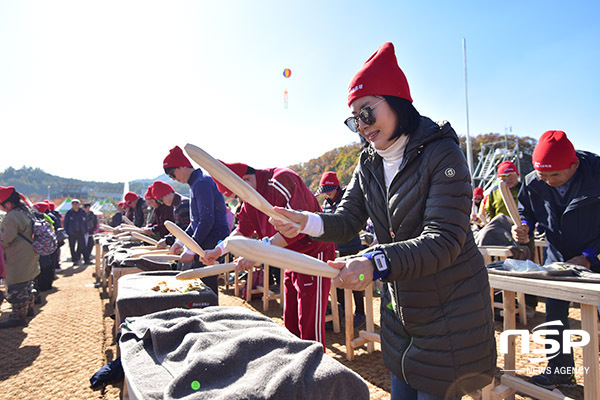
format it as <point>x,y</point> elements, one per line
<point>437,333</point>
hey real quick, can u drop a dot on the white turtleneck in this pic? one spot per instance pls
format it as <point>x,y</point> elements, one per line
<point>392,158</point>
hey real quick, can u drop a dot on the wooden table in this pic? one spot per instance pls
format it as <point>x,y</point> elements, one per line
<point>587,294</point>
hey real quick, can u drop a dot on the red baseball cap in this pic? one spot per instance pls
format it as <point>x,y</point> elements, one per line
<point>130,197</point>
<point>329,182</point>
<point>240,169</point>
<point>5,192</point>
<point>121,204</point>
<point>507,167</point>
<point>176,158</point>
<point>379,75</point>
<point>160,189</point>
<point>554,152</point>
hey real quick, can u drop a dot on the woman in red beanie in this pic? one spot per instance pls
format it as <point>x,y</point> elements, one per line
<point>21,260</point>
<point>437,334</point>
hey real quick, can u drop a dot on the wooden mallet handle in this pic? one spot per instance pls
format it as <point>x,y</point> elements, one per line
<point>143,238</point>
<point>213,270</point>
<point>184,238</point>
<point>509,201</point>
<point>107,228</point>
<point>127,221</point>
<point>279,257</point>
<point>220,172</point>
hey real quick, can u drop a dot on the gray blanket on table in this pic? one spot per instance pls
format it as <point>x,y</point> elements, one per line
<point>228,353</point>
<point>572,272</point>
<point>136,297</point>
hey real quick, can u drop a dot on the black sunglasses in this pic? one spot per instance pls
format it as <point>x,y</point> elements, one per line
<point>366,116</point>
<point>171,173</point>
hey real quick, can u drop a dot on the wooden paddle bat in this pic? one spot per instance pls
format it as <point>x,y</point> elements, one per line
<point>184,238</point>
<point>279,257</point>
<point>107,228</point>
<point>216,269</point>
<point>157,257</point>
<point>509,201</point>
<point>127,221</point>
<point>127,228</point>
<point>220,172</point>
<point>123,235</point>
<point>143,238</point>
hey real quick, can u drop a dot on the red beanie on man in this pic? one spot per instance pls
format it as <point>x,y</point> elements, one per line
<point>161,189</point>
<point>41,206</point>
<point>380,75</point>
<point>176,158</point>
<point>130,197</point>
<point>507,167</point>
<point>478,193</point>
<point>554,152</point>
<point>148,195</point>
<point>328,183</point>
<point>5,192</point>
<point>240,169</point>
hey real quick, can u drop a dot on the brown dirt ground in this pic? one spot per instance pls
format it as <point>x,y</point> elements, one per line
<point>70,338</point>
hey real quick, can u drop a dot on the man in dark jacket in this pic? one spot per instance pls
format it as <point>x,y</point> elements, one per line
<point>92,225</point>
<point>208,223</point>
<point>76,227</point>
<point>562,196</point>
<point>117,218</point>
<point>330,186</point>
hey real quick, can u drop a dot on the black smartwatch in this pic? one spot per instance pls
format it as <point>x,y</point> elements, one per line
<point>381,267</point>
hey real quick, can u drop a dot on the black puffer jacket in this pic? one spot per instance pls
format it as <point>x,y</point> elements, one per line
<point>437,332</point>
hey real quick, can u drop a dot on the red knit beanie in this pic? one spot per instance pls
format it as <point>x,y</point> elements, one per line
<point>41,206</point>
<point>176,158</point>
<point>130,197</point>
<point>239,169</point>
<point>148,194</point>
<point>5,192</point>
<point>507,167</point>
<point>328,183</point>
<point>478,193</point>
<point>554,152</point>
<point>161,189</point>
<point>380,75</point>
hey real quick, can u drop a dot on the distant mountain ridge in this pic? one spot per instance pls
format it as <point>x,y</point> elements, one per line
<point>38,184</point>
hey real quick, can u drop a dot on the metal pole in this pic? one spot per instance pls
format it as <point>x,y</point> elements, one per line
<point>468,144</point>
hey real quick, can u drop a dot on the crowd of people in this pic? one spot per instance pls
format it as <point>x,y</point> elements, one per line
<point>413,185</point>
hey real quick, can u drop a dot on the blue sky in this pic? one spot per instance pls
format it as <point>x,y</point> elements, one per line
<point>102,90</point>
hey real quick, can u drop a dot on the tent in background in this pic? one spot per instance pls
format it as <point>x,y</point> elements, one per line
<point>64,206</point>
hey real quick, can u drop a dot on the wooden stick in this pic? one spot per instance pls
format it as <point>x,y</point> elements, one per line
<point>128,221</point>
<point>279,257</point>
<point>509,201</point>
<point>107,228</point>
<point>157,257</point>
<point>219,171</point>
<point>143,238</point>
<point>184,238</point>
<point>127,228</point>
<point>216,269</point>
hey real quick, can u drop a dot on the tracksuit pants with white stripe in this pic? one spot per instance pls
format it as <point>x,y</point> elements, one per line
<point>305,305</point>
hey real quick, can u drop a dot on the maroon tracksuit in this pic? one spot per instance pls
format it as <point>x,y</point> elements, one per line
<point>305,296</point>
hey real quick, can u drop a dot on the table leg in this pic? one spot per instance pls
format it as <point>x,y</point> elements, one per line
<point>591,379</point>
<point>369,314</point>
<point>349,321</point>
<point>508,301</point>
